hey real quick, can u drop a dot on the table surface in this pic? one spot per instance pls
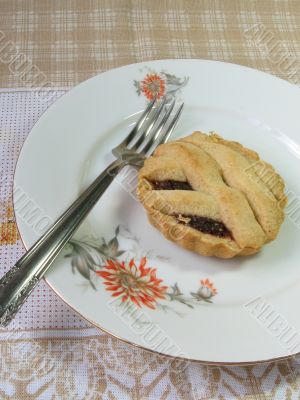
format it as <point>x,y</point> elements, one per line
<point>57,44</point>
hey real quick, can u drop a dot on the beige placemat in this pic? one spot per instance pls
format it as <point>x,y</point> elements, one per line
<point>61,43</point>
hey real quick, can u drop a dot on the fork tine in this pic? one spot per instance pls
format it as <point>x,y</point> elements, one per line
<point>167,133</point>
<point>139,123</point>
<point>157,131</point>
<point>149,125</point>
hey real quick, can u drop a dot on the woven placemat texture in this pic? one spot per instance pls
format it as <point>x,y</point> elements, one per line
<point>66,42</point>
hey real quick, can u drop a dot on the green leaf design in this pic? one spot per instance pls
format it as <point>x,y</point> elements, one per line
<point>87,258</point>
<point>137,86</point>
<point>177,295</point>
<point>113,245</point>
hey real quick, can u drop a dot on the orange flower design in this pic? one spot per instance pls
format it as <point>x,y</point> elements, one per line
<point>206,283</point>
<point>153,85</point>
<point>134,283</point>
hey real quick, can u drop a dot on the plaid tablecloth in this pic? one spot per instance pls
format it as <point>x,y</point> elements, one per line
<point>48,352</point>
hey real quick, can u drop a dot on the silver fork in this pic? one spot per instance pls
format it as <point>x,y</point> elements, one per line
<point>153,128</point>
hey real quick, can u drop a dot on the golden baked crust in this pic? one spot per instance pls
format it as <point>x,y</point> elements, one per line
<point>232,202</point>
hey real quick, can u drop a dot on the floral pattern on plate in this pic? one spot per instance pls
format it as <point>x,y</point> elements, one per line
<point>126,275</point>
<point>157,84</point>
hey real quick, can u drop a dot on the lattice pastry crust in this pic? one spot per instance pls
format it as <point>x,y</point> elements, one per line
<point>212,196</point>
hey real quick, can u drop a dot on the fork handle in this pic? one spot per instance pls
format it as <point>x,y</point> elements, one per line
<point>20,280</point>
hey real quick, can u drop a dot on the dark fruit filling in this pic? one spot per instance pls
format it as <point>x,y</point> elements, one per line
<point>202,224</point>
<point>205,225</point>
<point>171,185</point>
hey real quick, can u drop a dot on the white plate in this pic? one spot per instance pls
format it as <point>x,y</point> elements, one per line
<point>71,143</point>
